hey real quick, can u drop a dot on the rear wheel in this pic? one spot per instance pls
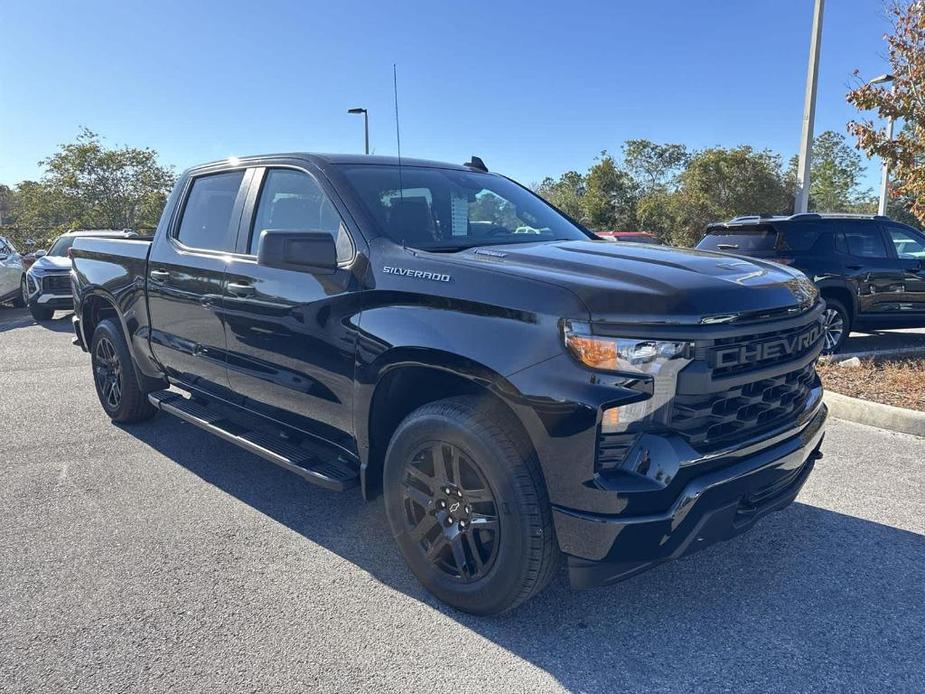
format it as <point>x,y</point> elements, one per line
<point>836,325</point>
<point>114,376</point>
<point>468,507</point>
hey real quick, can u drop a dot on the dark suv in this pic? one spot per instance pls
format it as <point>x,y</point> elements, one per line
<point>869,269</point>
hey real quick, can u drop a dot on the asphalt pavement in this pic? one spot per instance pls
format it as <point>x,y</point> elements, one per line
<point>156,558</point>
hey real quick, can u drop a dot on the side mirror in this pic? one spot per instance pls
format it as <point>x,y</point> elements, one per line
<point>301,251</point>
<point>40,254</point>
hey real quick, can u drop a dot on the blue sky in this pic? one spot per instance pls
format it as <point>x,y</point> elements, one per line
<point>534,88</point>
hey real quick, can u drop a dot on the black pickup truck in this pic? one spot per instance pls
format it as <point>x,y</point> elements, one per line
<point>516,389</point>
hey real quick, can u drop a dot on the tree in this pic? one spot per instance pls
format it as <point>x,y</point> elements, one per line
<point>87,185</point>
<point>903,100</point>
<point>610,197</point>
<point>6,203</point>
<point>721,183</point>
<point>834,176</point>
<point>565,193</point>
<point>654,166</point>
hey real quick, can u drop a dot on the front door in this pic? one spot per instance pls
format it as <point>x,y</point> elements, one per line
<point>290,334</point>
<point>186,272</point>
<point>910,254</point>
<point>10,269</point>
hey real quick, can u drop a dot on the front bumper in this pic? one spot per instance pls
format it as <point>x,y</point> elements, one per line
<point>711,507</point>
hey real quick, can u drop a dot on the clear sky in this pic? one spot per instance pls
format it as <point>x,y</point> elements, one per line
<point>535,88</point>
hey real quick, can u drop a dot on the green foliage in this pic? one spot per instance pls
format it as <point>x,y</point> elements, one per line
<point>834,177</point>
<point>87,185</point>
<point>566,193</point>
<point>722,183</point>
<point>654,166</point>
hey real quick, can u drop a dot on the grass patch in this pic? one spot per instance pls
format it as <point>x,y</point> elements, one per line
<point>900,383</point>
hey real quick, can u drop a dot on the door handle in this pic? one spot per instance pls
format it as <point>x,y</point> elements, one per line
<point>159,275</point>
<point>241,289</point>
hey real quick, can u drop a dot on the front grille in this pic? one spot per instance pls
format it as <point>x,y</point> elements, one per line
<point>710,421</point>
<point>56,284</point>
<point>744,353</point>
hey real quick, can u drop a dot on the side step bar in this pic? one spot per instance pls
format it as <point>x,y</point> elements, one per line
<point>335,474</point>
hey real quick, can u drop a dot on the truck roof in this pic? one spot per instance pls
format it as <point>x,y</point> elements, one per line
<point>324,159</point>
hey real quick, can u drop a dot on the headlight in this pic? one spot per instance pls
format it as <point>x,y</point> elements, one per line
<point>621,354</point>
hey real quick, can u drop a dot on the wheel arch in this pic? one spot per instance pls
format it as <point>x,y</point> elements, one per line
<point>406,379</point>
<point>841,293</point>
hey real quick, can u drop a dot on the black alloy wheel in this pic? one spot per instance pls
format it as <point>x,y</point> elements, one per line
<point>451,512</point>
<point>107,371</point>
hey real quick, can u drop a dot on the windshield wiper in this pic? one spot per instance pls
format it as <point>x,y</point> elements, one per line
<point>724,246</point>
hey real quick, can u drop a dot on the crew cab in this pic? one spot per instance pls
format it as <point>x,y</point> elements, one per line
<point>517,389</point>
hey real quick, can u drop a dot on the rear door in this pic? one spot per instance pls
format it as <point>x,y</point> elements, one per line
<point>868,261</point>
<point>186,272</point>
<point>291,334</point>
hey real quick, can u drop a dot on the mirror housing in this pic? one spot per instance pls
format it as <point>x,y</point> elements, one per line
<point>299,250</point>
<point>40,254</point>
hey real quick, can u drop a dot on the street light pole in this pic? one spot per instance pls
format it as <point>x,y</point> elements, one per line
<point>885,176</point>
<point>809,112</point>
<point>365,123</point>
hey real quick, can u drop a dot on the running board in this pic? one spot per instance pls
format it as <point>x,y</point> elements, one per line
<point>335,474</point>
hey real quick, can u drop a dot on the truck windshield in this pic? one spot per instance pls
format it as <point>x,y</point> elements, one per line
<point>448,210</point>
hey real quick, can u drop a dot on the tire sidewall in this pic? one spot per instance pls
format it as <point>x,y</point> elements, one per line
<point>107,330</point>
<point>505,576</point>
<point>837,306</point>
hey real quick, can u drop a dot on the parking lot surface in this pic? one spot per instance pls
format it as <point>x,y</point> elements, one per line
<point>155,557</point>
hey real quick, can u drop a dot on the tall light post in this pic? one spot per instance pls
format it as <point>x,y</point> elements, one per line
<point>885,176</point>
<point>809,112</point>
<point>365,123</point>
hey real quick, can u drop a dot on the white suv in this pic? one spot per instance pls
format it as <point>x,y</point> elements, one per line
<point>11,273</point>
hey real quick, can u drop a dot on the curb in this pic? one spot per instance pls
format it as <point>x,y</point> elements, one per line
<point>876,353</point>
<point>875,414</point>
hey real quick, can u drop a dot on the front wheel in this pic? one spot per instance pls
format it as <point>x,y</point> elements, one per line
<point>468,507</point>
<point>836,325</point>
<point>23,298</point>
<point>114,376</point>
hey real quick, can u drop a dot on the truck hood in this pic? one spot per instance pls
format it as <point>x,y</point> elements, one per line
<point>52,262</point>
<point>626,282</point>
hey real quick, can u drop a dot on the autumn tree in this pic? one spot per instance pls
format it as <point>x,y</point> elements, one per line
<point>902,100</point>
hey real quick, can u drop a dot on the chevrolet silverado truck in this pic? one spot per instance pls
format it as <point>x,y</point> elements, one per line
<point>517,390</point>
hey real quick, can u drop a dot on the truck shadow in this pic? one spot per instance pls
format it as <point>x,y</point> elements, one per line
<point>804,598</point>
<point>13,318</point>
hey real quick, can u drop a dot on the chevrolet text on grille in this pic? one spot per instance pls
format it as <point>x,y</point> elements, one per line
<point>774,348</point>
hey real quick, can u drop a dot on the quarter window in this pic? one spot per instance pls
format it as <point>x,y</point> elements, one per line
<point>207,216</point>
<point>293,201</point>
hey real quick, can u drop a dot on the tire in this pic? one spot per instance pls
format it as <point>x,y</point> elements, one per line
<point>41,313</point>
<point>477,564</point>
<point>114,376</point>
<point>836,326</point>
<point>19,301</point>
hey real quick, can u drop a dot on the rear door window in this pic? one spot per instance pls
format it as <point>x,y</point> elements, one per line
<point>862,240</point>
<point>207,221</point>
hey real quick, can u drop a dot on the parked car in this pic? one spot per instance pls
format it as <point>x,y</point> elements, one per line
<point>10,272</point>
<point>631,236</point>
<point>514,396</point>
<point>869,269</point>
<point>46,286</point>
